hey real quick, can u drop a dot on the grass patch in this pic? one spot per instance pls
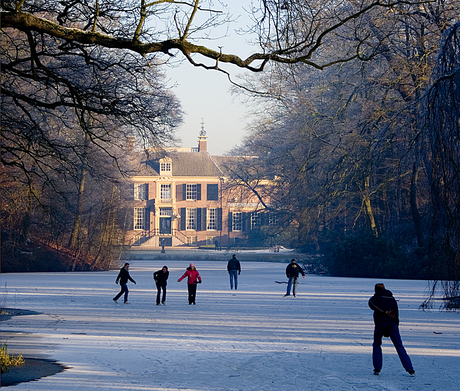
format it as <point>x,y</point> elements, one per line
<point>8,360</point>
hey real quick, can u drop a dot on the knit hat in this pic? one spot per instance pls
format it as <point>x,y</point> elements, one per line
<point>192,265</point>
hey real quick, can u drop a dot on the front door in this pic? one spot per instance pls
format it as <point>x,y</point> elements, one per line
<point>165,225</point>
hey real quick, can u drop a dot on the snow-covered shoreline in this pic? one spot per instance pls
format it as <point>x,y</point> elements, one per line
<point>250,339</point>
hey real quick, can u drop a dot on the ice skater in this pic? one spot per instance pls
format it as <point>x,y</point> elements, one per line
<point>161,277</point>
<point>234,270</point>
<point>386,320</point>
<point>123,277</point>
<point>193,279</point>
<point>292,272</point>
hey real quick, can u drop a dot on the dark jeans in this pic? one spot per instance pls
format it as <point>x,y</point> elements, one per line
<point>233,278</point>
<point>391,330</point>
<point>293,281</point>
<point>191,293</point>
<point>159,288</point>
<point>124,289</point>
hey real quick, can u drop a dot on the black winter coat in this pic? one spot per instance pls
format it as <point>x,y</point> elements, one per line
<point>124,276</point>
<point>160,277</point>
<point>234,264</point>
<point>293,270</point>
<point>385,307</point>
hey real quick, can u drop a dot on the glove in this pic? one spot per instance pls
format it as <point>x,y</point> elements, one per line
<point>134,282</point>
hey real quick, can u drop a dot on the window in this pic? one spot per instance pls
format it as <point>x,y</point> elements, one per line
<point>165,212</point>
<point>191,193</point>
<point>255,220</point>
<point>140,218</point>
<point>212,192</point>
<point>165,168</point>
<point>237,221</point>
<point>211,217</point>
<point>165,193</point>
<point>272,219</point>
<point>141,191</point>
<point>191,218</point>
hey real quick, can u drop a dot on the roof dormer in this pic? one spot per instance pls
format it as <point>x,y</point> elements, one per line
<point>166,166</point>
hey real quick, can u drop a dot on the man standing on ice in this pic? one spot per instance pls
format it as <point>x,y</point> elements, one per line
<point>292,272</point>
<point>234,269</point>
<point>123,277</point>
<point>161,278</point>
<point>386,325</point>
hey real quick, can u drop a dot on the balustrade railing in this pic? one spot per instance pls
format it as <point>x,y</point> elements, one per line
<point>143,236</point>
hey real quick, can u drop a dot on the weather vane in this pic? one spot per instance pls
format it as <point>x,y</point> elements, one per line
<point>202,132</point>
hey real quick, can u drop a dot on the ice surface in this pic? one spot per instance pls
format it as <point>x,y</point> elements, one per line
<point>250,339</point>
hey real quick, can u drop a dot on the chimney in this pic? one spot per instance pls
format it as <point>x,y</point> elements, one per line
<point>202,139</point>
<point>130,143</point>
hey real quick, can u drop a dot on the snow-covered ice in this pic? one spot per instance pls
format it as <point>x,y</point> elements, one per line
<point>250,339</point>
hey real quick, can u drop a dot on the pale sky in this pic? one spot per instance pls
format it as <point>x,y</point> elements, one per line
<point>205,95</point>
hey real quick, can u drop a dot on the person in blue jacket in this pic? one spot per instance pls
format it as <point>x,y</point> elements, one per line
<point>123,277</point>
<point>386,320</point>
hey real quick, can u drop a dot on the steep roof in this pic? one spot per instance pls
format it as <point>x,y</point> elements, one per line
<point>187,164</point>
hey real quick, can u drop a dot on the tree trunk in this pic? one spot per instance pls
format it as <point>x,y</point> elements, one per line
<point>414,208</point>
<point>367,204</point>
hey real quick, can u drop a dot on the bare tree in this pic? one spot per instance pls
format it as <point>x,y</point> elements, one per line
<point>346,141</point>
<point>288,32</point>
<point>67,115</point>
<point>441,119</point>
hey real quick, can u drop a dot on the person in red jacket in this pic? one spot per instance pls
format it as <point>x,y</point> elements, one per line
<point>193,279</point>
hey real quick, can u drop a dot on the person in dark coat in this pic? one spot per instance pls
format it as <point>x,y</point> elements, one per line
<point>386,320</point>
<point>160,277</point>
<point>234,270</point>
<point>123,277</point>
<point>292,272</point>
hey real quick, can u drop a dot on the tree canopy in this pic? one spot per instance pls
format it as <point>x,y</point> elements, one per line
<point>289,32</point>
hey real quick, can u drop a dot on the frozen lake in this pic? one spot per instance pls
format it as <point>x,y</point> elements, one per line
<point>250,339</point>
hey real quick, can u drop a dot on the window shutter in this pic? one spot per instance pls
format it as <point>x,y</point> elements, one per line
<point>183,218</point>
<point>263,219</point>
<point>204,219</point>
<point>147,219</point>
<point>212,192</point>
<point>246,221</point>
<point>179,193</point>
<point>184,192</point>
<point>219,219</point>
<point>198,191</point>
<point>145,196</point>
<point>230,222</point>
<point>131,191</point>
<point>129,218</point>
<point>198,219</point>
